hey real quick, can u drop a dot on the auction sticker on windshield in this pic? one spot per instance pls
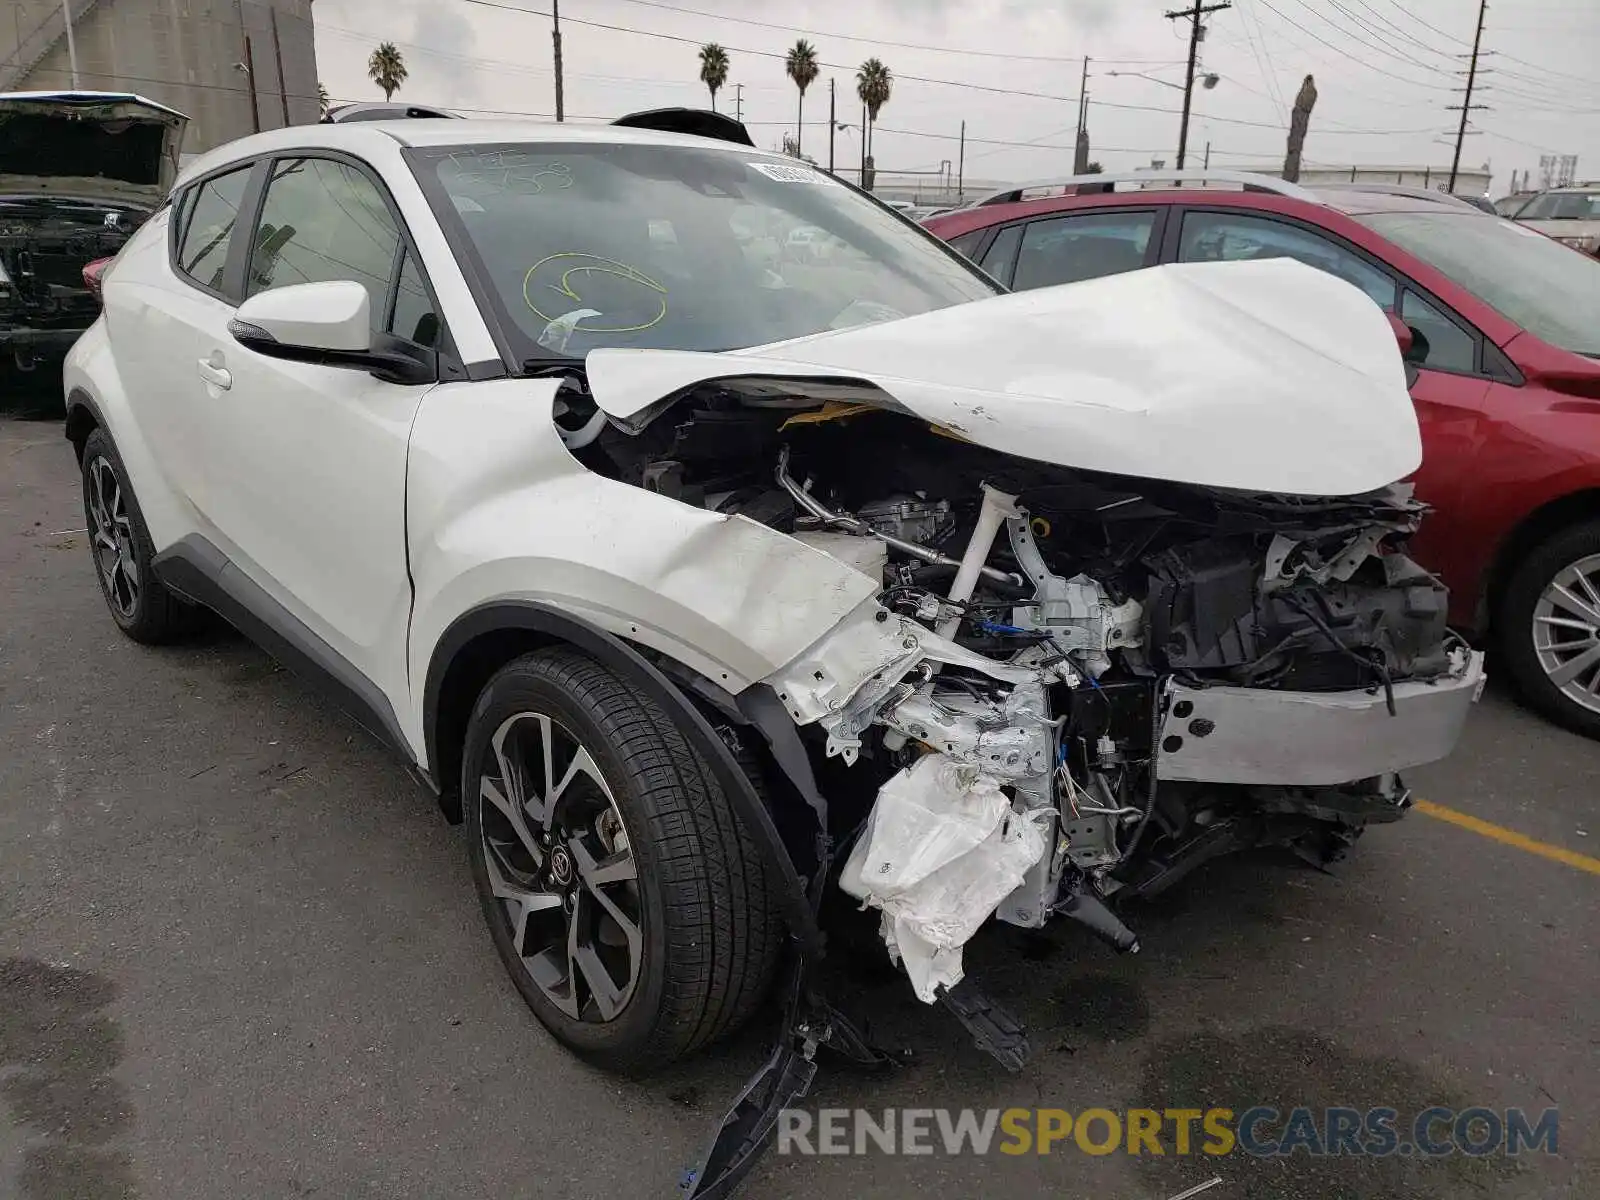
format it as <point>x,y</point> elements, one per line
<point>784,173</point>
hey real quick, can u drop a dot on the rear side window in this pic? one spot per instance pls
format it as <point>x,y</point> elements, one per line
<point>1443,345</point>
<point>324,220</point>
<point>1230,237</point>
<point>1082,246</point>
<point>1002,254</point>
<point>966,243</point>
<point>208,217</point>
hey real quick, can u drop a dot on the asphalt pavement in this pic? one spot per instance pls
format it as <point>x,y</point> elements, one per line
<point>240,957</point>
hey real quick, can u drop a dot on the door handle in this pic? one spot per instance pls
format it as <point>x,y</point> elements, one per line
<point>216,376</point>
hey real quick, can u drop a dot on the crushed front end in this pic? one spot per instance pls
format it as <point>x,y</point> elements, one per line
<point>1152,674</point>
<point>1074,688</point>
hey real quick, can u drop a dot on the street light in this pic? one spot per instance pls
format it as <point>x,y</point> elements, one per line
<point>1208,81</point>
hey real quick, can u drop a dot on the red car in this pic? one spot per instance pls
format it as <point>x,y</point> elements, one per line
<point>1501,329</point>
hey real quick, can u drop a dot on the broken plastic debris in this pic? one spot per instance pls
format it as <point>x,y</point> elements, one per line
<point>926,816</point>
<point>941,850</point>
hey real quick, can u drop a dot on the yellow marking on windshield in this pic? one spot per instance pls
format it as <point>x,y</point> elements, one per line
<point>592,264</point>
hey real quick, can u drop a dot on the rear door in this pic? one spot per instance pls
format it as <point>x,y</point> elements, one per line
<point>1065,247</point>
<point>306,464</point>
<point>174,310</point>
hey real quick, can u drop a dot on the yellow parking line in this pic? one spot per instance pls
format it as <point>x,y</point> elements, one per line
<point>1509,837</point>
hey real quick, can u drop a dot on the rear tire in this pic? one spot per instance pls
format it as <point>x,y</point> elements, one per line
<point>119,541</point>
<point>1548,628</point>
<point>632,910</point>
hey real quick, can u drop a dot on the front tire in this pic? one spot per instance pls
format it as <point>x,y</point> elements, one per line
<point>120,542</point>
<point>1549,628</point>
<point>627,903</point>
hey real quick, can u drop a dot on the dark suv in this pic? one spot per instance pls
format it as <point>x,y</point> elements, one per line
<point>79,172</point>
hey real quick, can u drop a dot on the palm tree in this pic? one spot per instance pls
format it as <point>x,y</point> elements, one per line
<point>387,67</point>
<point>801,65</point>
<point>323,102</point>
<point>713,69</point>
<point>874,83</point>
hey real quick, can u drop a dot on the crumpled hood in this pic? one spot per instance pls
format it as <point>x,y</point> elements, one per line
<point>89,145</point>
<point>1264,376</point>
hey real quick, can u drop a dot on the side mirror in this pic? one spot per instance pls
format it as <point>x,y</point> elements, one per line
<point>1403,335</point>
<point>328,324</point>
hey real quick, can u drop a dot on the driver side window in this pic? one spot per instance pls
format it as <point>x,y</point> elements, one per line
<point>324,220</point>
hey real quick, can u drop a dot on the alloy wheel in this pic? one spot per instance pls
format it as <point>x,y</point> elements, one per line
<point>561,865</point>
<point>1566,631</point>
<point>113,538</point>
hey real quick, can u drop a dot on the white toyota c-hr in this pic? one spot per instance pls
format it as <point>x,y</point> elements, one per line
<point>678,570</point>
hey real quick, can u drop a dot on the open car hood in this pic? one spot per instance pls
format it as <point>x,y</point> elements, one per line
<point>89,145</point>
<point>1266,376</point>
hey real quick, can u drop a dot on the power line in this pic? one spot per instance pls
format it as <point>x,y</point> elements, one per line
<point>956,83</point>
<point>1431,28</point>
<point>846,37</point>
<point>1394,27</point>
<point>1398,56</point>
<point>1544,70</point>
<point>1383,34</point>
<point>1384,71</point>
<point>1258,47</point>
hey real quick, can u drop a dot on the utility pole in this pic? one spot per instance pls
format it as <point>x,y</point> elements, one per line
<point>832,124</point>
<point>72,45</point>
<point>277,54</point>
<point>555,39</point>
<point>250,75</point>
<point>1080,144</point>
<point>1466,104</point>
<point>738,103</point>
<point>961,166</point>
<point>1196,32</point>
<point>1206,166</point>
<point>862,180</point>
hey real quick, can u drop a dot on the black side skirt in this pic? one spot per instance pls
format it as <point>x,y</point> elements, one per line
<point>198,571</point>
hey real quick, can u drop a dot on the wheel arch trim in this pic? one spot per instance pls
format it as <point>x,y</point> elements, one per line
<point>554,626</point>
<point>1527,535</point>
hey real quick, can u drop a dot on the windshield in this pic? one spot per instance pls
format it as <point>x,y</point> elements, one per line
<point>1562,206</point>
<point>670,247</point>
<point>1550,290</point>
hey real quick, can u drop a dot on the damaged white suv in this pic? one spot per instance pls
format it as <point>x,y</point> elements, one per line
<point>700,581</point>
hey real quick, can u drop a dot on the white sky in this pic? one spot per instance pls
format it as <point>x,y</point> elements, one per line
<point>1384,72</point>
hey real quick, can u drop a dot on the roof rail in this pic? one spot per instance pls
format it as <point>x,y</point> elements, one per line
<point>1397,189</point>
<point>1247,180</point>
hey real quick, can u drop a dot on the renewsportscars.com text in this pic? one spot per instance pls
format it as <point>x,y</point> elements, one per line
<point>1262,1131</point>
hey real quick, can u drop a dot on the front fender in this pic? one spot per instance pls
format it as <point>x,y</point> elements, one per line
<point>498,509</point>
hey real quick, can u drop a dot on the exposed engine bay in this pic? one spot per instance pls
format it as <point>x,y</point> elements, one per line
<point>44,245</point>
<point>1124,678</point>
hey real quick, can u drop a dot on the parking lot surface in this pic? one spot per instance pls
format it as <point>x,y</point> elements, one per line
<point>240,956</point>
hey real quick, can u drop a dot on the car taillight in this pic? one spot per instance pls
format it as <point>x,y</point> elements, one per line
<point>92,274</point>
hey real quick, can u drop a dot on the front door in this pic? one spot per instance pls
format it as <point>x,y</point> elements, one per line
<point>306,464</point>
